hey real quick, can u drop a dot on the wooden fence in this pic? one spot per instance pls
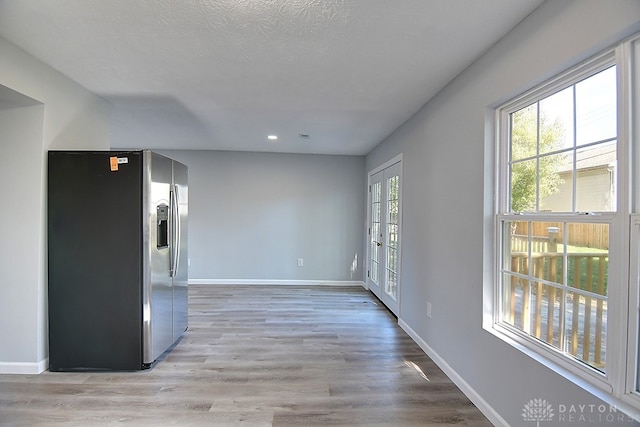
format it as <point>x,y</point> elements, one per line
<point>586,235</point>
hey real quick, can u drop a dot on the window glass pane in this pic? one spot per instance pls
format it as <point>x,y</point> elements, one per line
<point>585,328</point>
<point>524,132</point>
<point>544,182</point>
<point>524,177</point>
<point>376,207</point>
<point>374,244</point>
<point>556,182</point>
<point>516,247</point>
<point>547,251</point>
<point>391,251</point>
<point>515,302</point>
<point>588,256</point>
<point>392,236</point>
<point>556,121</point>
<point>546,238</point>
<point>595,180</point>
<point>374,251</point>
<point>545,312</point>
<point>392,208</point>
<point>375,267</point>
<point>391,284</point>
<point>596,112</point>
<point>375,231</point>
<point>545,308</point>
<point>392,259</point>
<point>587,271</point>
<point>376,192</point>
<point>539,257</point>
<point>393,185</point>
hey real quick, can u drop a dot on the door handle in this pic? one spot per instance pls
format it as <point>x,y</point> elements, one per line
<point>178,236</point>
<point>172,231</point>
<point>173,261</point>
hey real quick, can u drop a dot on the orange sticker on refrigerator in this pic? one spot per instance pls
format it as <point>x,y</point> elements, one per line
<point>113,162</point>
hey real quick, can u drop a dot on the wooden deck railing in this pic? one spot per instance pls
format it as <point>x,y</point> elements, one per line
<point>569,316</point>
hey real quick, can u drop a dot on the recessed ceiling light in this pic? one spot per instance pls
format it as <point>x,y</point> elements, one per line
<point>272,137</point>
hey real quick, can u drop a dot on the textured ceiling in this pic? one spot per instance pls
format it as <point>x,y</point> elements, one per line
<point>223,74</point>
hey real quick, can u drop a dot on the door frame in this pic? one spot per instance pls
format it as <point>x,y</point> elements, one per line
<point>393,161</point>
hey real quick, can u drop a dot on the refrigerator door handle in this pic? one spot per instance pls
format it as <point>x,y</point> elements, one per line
<point>172,252</point>
<point>178,234</point>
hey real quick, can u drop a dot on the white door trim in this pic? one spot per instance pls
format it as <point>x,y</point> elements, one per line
<point>385,165</point>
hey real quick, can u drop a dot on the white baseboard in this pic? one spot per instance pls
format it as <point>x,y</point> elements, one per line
<point>276,282</point>
<point>24,368</point>
<point>477,400</point>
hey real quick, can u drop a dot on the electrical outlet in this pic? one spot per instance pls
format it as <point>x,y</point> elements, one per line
<point>429,310</point>
<point>300,262</point>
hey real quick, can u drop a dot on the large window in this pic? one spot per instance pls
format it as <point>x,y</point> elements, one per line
<point>566,192</point>
<point>561,153</point>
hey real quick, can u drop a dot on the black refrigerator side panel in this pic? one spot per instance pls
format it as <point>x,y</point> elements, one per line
<point>95,260</point>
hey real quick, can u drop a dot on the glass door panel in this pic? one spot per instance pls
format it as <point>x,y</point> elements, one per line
<point>383,276</point>
<point>375,230</point>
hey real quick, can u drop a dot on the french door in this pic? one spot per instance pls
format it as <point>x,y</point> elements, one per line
<point>383,269</point>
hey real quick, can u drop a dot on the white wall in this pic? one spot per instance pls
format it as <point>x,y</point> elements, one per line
<point>447,201</point>
<point>252,215</point>
<point>40,110</point>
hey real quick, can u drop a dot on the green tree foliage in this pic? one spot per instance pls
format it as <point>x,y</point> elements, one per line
<point>528,138</point>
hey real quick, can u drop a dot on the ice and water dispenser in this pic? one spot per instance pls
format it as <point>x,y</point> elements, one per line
<point>162,212</point>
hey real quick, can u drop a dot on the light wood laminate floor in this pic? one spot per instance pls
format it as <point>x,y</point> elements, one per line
<point>260,356</point>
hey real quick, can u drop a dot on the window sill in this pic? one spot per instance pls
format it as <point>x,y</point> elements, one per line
<point>588,379</point>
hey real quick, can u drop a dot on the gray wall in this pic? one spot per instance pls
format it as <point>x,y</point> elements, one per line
<point>21,142</point>
<point>39,110</point>
<point>447,200</point>
<point>252,215</point>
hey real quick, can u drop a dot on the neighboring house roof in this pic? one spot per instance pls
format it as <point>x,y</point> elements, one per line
<point>597,156</point>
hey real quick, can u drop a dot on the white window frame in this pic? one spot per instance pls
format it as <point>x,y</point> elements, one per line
<point>618,383</point>
<point>634,302</point>
<point>631,92</point>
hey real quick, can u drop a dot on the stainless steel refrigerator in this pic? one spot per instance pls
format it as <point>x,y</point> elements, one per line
<point>117,258</point>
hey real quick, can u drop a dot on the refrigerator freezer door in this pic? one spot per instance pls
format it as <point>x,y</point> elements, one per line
<point>180,275</point>
<point>157,289</point>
